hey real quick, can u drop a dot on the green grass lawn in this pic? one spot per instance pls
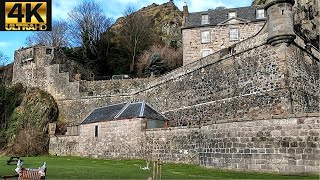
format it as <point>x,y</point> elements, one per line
<point>86,168</point>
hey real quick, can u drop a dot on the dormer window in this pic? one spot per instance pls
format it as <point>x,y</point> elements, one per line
<point>260,13</point>
<point>232,14</point>
<point>205,19</point>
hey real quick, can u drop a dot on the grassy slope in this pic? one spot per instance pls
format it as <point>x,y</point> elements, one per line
<point>85,168</point>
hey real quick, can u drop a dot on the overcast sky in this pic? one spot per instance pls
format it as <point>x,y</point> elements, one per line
<point>10,41</point>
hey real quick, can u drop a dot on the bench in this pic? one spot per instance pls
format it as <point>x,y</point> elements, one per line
<point>13,159</point>
<point>28,174</point>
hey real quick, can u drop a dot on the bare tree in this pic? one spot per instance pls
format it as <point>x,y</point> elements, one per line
<point>3,62</point>
<point>58,37</point>
<point>88,24</point>
<point>136,33</point>
<point>3,59</point>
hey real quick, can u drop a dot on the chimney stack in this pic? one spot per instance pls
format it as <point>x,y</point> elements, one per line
<point>185,13</point>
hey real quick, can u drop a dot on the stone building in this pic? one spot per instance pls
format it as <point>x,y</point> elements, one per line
<point>207,32</point>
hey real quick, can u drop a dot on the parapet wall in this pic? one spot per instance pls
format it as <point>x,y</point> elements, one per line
<point>282,144</point>
<point>111,87</point>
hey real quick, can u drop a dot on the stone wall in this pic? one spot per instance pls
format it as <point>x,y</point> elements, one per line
<point>64,145</point>
<point>167,92</point>
<point>285,144</point>
<point>37,71</point>
<point>219,39</point>
<point>116,139</point>
<point>248,84</point>
<point>111,87</point>
<point>303,80</point>
<point>255,79</point>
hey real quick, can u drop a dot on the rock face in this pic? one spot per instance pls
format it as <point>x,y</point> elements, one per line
<point>306,19</point>
<point>29,123</point>
<point>166,22</point>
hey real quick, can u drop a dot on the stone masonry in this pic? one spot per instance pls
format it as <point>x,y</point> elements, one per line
<point>282,144</point>
<point>219,39</point>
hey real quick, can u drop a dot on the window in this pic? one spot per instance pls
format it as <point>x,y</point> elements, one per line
<point>260,14</point>
<point>48,51</point>
<point>234,34</point>
<point>232,14</point>
<point>206,52</point>
<point>205,36</point>
<point>205,19</point>
<point>96,129</point>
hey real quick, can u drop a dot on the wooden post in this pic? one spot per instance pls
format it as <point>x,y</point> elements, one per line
<point>160,172</point>
<point>154,170</point>
<point>157,169</point>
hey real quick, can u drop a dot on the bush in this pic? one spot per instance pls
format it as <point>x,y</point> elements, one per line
<point>171,57</point>
<point>156,66</point>
<point>10,98</point>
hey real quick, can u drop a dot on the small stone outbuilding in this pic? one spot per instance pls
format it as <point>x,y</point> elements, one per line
<point>125,111</point>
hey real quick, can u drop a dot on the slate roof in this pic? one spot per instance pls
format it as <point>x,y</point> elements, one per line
<point>123,111</point>
<point>220,15</point>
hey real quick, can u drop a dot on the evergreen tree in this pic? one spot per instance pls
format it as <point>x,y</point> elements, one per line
<point>156,66</point>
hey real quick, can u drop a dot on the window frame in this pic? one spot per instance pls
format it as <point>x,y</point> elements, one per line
<point>204,50</point>
<point>257,14</point>
<point>203,22</point>
<point>238,34</point>
<point>207,40</point>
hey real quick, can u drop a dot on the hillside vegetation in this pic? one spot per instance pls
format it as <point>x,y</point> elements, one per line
<point>127,46</point>
<point>25,119</point>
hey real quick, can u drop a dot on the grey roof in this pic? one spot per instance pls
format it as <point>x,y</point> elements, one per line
<point>123,111</point>
<point>220,15</point>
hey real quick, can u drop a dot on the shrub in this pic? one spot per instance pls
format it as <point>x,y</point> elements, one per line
<point>156,66</point>
<point>171,57</point>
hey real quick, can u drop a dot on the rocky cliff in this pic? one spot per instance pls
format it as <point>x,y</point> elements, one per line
<point>166,22</point>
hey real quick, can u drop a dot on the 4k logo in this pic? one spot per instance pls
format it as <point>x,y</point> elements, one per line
<point>30,15</point>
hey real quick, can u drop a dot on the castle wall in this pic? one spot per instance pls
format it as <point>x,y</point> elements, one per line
<point>303,80</point>
<point>111,87</point>
<point>219,39</point>
<point>32,68</point>
<point>285,144</point>
<point>255,80</point>
<point>246,85</point>
<point>258,80</point>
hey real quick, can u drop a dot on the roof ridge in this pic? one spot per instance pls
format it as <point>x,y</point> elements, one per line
<point>208,10</point>
<point>108,106</point>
